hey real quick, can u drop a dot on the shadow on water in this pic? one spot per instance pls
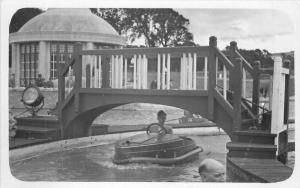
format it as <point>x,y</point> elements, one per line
<point>95,164</point>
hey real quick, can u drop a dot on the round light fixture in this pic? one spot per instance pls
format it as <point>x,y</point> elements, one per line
<point>33,99</point>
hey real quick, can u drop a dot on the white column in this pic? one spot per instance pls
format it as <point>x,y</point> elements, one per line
<point>184,72</point>
<point>125,73</point>
<point>181,73</point>
<point>195,71</point>
<point>244,83</point>
<point>158,71</point>
<point>95,71</point>
<point>113,71</point>
<point>134,72</point>
<point>190,71</point>
<point>217,65</point>
<point>142,72</point>
<point>205,73</point>
<point>163,80</point>
<point>117,71</point>
<point>224,82</point>
<point>121,71</point>
<point>100,72</point>
<point>42,59</point>
<point>146,72</point>
<point>47,60</point>
<point>15,58</point>
<point>139,66</point>
<point>277,124</point>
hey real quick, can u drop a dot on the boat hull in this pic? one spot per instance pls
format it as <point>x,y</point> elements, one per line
<point>168,150</point>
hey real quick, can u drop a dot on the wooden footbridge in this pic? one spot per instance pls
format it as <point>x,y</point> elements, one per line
<point>201,79</point>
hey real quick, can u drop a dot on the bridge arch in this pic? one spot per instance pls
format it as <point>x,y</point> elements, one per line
<point>91,106</point>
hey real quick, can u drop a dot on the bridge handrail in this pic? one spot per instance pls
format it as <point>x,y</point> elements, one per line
<point>225,60</point>
<point>246,64</point>
<point>150,52</point>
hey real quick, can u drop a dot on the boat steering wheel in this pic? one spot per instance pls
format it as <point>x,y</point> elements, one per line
<point>161,130</point>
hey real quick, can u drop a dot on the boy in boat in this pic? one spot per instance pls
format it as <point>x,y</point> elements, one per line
<point>211,170</point>
<point>161,129</point>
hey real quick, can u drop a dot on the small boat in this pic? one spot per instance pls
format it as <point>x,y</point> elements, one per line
<point>165,150</point>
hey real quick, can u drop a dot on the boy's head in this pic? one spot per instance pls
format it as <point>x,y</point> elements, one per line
<point>211,170</point>
<point>161,116</point>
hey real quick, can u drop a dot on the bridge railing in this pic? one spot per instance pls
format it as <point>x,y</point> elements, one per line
<point>184,68</point>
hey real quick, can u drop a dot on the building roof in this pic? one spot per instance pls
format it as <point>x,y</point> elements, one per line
<point>63,24</point>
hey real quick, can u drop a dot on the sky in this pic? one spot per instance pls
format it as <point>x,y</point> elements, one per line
<point>272,30</point>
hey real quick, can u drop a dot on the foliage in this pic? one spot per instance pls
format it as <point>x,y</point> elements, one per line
<point>258,55</point>
<point>159,27</point>
<point>21,17</point>
<point>40,82</point>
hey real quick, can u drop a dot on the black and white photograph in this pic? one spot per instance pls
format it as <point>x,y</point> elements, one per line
<point>104,93</point>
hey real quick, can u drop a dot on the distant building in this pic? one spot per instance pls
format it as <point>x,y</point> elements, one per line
<point>42,42</point>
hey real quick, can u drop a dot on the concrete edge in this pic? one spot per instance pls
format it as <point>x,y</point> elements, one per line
<point>24,153</point>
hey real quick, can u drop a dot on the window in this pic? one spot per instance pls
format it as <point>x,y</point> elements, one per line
<point>29,55</point>
<point>59,53</point>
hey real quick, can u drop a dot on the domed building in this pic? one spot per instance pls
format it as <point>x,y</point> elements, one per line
<point>48,38</point>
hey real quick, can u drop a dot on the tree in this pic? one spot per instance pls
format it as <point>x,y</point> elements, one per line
<point>263,56</point>
<point>159,27</point>
<point>21,17</point>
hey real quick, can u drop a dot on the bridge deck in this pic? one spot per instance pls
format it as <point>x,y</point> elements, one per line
<point>265,170</point>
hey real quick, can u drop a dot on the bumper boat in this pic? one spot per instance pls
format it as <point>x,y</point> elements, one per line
<point>168,149</point>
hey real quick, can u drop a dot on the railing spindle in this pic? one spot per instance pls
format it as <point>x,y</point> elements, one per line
<point>195,71</point>
<point>168,71</point>
<point>158,71</point>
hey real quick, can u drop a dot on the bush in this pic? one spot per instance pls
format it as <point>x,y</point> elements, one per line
<point>48,84</point>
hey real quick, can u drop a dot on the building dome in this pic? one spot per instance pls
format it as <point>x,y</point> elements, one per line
<point>68,25</point>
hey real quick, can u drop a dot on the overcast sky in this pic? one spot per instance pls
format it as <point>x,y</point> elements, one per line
<point>264,29</point>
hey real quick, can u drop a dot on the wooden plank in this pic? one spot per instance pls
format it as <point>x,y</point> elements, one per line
<point>256,87</point>
<point>224,103</point>
<point>246,64</point>
<point>269,170</point>
<point>144,92</point>
<point>224,59</point>
<point>212,82</point>
<point>150,52</point>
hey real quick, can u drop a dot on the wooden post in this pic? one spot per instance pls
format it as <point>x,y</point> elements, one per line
<point>78,65</point>
<point>232,55</point>
<point>237,94</point>
<point>256,87</point>
<point>61,96</point>
<point>212,76</point>
<point>88,75</point>
<point>78,74</point>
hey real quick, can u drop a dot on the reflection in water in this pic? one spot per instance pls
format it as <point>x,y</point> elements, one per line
<point>95,164</point>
